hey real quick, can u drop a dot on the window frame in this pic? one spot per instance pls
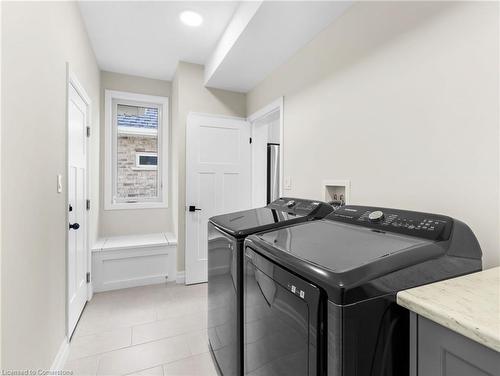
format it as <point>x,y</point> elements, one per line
<point>139,166</point>
<point>111,138</point>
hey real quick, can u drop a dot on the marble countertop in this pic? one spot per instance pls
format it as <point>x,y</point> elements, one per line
<point>469,305</point>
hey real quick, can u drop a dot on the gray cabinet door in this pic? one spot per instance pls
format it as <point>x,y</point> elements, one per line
<point>442,352</point>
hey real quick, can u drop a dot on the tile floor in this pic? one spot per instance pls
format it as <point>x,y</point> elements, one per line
<point>151,330</point>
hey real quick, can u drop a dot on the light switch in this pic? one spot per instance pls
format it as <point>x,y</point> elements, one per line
<point>59,183</point>
<point>288,182</point>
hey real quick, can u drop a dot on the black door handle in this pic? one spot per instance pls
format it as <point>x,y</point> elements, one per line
<point>193,208</point>
<point>74,226</point>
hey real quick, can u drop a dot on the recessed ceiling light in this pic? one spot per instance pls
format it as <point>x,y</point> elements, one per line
<point>191,18</point>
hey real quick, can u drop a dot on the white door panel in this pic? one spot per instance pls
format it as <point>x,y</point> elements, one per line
<point>77,187</point>
<point>218,177</point>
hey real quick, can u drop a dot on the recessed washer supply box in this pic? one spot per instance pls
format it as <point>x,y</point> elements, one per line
<point>133,260</point>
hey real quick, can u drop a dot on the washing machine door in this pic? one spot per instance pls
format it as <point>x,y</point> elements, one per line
<point>281,334</point>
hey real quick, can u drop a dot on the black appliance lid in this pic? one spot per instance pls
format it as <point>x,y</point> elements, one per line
<point>282,212</point>
<point>339,247</point>
<point>354,260</point>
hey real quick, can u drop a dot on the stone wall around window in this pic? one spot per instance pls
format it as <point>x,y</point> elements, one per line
<point>132,182</point>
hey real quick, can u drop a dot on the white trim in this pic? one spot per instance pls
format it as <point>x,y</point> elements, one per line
<point>276,105</point>
<point>90,286</point>
<point>130,96</point>
<point>61,356</point>
<point>163,150</point>
<point>206,114</point>
<point>181,278</point>
<point>136,205</point>
<point>281,105</point>
<point>136,131</point>
<point>139,166</point>
<point>72,80</point>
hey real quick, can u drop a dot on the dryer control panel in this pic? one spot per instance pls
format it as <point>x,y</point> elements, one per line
<point>423,225</point>
<point>301,207</point>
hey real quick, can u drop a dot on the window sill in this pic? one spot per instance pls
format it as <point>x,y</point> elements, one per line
<point>143,169</point>
<point>135,205</point>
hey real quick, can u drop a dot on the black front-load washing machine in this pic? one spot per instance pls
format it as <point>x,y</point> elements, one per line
<point>226,234</point>
<point>320,297</point>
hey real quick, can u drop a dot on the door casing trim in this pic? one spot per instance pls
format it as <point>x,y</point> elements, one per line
<point>276,105</point>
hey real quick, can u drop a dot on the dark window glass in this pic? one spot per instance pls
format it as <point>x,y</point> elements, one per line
<point>148,160</point>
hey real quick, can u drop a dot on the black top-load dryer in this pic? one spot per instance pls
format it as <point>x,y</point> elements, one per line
<point>226,234</point>
<point>320,297</point>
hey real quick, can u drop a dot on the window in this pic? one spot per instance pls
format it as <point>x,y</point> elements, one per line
<point>136,151</point>
<point>146,161</point>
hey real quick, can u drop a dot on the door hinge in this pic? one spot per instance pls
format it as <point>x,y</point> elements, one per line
<point>88,277</point>
<point>250,140</point>
<point>87,204</point>
<point>88,131</point>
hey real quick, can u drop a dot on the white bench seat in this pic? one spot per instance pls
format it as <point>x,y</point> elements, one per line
<point>133,260</point>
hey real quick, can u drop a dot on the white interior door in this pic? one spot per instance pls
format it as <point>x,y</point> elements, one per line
<point>77,186</point>
<point>218,180</point>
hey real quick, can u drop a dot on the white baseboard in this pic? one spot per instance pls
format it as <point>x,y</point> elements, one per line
<point>90,291</point>
<point>131,282</point>
<point>181,278</point>
<point>61,356</point>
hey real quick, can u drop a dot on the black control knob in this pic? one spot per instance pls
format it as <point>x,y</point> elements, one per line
<point>290,203</point>
<point>376,216</point>
<point>74,226</point>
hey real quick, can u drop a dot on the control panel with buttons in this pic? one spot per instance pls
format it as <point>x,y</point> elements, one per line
<point>300,207</point>
<point>424,225</point>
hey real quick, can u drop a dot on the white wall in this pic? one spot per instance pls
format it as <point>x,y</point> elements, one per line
<point>174,170</point>
<point>402,99</point>
<point>38,38</point>
<point>0,185</point>
<point>135,221</point>
<point>274,128</point>
<point>192,96</point>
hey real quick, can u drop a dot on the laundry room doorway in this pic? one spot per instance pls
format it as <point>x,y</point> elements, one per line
<point>267,153</point>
